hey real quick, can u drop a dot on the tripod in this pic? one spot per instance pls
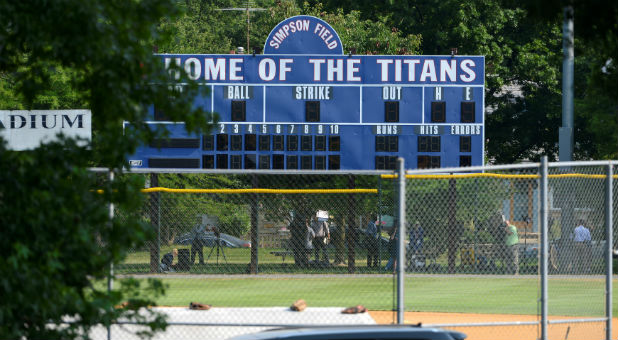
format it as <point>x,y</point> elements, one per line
<point>219,248</point>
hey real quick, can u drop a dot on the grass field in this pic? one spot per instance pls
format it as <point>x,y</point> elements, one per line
<point>569,297</point>
<point>281,282</point>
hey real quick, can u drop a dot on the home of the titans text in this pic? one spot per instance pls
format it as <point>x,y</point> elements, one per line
<point>361,69</point>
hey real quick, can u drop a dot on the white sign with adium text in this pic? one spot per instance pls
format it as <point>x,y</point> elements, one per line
<point>25,130</point>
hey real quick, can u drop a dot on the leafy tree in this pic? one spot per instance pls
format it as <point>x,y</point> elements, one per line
<point>58,240</point>
<point>522,44</point>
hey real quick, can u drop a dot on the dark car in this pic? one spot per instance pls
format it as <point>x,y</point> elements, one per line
<point>209,239</point>
<point>360,332</point>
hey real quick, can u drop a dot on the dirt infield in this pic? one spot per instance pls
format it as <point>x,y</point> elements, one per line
<point>572,331</point>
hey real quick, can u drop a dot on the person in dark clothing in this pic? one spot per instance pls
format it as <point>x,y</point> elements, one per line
<point>197,245</point>
<point>297,238</point>
<point>393,249</point>
<point>167,260</point>
<point>371,243</point>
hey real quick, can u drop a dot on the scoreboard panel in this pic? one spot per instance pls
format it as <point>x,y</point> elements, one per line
<point>327,111</point>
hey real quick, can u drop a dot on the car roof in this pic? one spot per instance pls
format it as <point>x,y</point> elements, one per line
<point>356,332</point>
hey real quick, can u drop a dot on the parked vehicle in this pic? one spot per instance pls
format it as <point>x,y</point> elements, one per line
<point>359,332</point>
<point>209,239</point>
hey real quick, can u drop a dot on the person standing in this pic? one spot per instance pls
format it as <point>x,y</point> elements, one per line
<point>308,246</point>
<point>393,248</point>
<point>322,234</point>
<point>582,239</point>
<point>416,238</point>
<point>371,243</point>
<point>512,248</point>
<point>296,243</point>
<point>197,245</point>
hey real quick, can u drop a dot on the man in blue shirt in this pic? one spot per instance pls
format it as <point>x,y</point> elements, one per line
<point>582,239</point>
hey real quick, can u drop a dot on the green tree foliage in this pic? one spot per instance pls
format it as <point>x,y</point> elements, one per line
<point>522,44</point>
<point>57,238</point>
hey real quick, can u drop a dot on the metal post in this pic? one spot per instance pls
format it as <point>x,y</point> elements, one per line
<point>609,186</point>
<point>155,249</point>
<point>253,265</point>
<point>401,232</point>
<point>544,247</point>
<point>565,136</point>
<point>379,226</point>
<point>110,278</point>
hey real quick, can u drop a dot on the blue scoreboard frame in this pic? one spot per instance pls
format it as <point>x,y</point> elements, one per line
<point>328,111</point>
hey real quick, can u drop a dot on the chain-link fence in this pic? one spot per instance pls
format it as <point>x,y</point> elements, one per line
<point>251,244</point>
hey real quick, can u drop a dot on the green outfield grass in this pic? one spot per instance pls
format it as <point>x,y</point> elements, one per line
<point>570,297</point>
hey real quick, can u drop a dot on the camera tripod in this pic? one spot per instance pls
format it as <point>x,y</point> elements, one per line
<point>219,248</point>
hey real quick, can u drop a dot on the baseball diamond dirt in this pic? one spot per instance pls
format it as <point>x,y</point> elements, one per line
<point>571,331</point>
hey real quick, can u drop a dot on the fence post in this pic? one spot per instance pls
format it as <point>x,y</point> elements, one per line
<point>351,232</point>
<point>544,247</point>
<point>609,204</point>
<point>253,266</point>
<point>110,279</point>
<point>154,220</point>
<point>401,263</point>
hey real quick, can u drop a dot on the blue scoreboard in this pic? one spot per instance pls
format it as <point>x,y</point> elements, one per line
<point>303,104</point>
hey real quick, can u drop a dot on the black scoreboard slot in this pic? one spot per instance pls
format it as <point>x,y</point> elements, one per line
<point>292,143</point>
<point>428,144</point>
<point>222,161</point>
<point>235,162</point>
<point>208,142</point>
<point>391,112</point>
<point>428,162</point>
<point>334,143</point>
<point>438,112</point>
<point>278,143</point>
<point>320,162</point>
<point>239,110</point>
<point>208,161</point>
<point>434,145</point>
<point>236,142</point>
<point>264,162</point>
<point>386,162</point>
<point>334,162</point>
<point>467,112</point>
<point>176,143</point>
<point>250,142</point>
<point>392,143</point>
<point>380,143</point>
<point>305,162</point>
<point>222,142</point>
<point>465,160</point>
<point>306,143</point>
<point>291,162</point>
<point>320,143</point>
<point>465,144</point>
<point>264,142</point>
<point>174,163</point>
<point>278,161</point>
<point>387,144</point>
<point>250,162</point>
<point>312,111</point>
